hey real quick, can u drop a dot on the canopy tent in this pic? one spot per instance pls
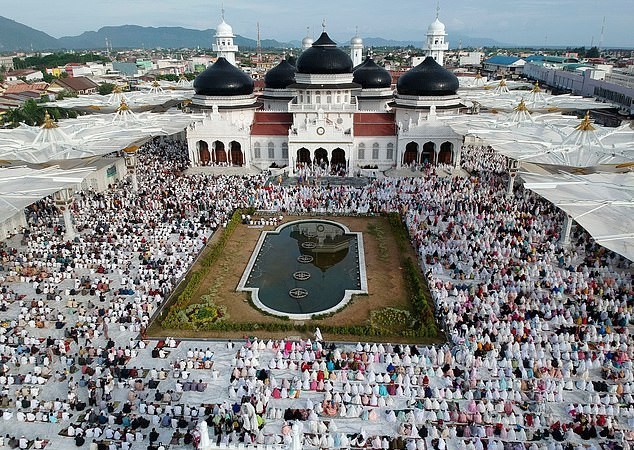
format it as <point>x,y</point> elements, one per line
<point>90,135</point>
<point>23,186</point>
<point>500,98</point>
<point>602,203</point>
<point>549,139</point>
<point>144,100</point>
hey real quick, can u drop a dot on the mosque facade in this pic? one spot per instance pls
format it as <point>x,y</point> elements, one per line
<point>327,109</point>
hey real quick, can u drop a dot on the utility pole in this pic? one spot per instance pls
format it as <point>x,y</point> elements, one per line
<point>259,47</point>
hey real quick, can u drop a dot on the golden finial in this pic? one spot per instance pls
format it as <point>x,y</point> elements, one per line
<point>521,106</point>
<point>586,124</point>
<point>123,106</point>
<point>156,84</point>
<point>503,82</point>
<point>117,89</point>
<point>478,75</point>
<point>49,122</point>
<point>536,88</point>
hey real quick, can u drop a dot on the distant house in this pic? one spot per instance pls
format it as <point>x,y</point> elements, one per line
<point>26,74</point>
<point>503,65</point>
<point>76,85</point>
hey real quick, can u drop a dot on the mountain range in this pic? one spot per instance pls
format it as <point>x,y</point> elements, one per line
<point>15,36</point>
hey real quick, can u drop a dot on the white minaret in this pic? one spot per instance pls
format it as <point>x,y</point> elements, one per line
<point>356,50</point>
<point>436,45</point>
<point>224,41</point>
<point>307,42</point>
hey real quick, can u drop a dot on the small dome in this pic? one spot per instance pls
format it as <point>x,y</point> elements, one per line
<point>224,29</point>
<point>356,41</point>
<point>280,76</point>
<point>307,42</point>
<point>372,76</point>
<point>436,27</point>
<point>324,58</point>
<point>427,79</point>
<point>223,79</point>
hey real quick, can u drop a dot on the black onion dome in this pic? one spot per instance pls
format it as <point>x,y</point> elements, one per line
<point>280,76</point>
<point>365,61</point>
<point>428,79</point>
<point>223,79</point>
<point>324,58</point>
<point>372,76</point>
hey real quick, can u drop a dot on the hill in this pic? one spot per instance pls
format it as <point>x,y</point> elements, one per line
<point>16,36</point>
<point>134,36</point>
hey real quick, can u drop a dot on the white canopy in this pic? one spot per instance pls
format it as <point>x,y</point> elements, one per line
<point>137,100</point>
<point>500,98</point>
<point>551,139</point>
<point>90,135</point>
<point>602,203</point>
<point>22,186</point>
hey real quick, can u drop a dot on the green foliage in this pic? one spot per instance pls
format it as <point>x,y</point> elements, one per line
<point>593,53</point>
<point>379,234</point>
<point>55,60</point>
<point>33,114</point>
<point>64,93</point>
<point>175,78</point>
<point>106,88</point>
<point>180,313</point>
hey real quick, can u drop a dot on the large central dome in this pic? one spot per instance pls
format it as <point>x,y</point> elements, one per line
<point>428,79</point>
<point>324,58</point>
<point>223,79</point>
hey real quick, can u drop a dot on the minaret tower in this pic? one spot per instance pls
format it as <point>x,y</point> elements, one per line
<point>224,41</point>
<point>356,49</point>
<point>307,42</point>
<point>436,45</point>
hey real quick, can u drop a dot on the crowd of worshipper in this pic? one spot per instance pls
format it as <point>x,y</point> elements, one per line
<point>538,353</point>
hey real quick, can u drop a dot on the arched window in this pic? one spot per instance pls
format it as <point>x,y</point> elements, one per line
<point>328,97</point>
<point>375,150</point>
<point>318,97</point>
<point>361,151</point>
<point>271,150</point>
<point>390,151</point>
<point>285,150</point>
<point>256,151</point>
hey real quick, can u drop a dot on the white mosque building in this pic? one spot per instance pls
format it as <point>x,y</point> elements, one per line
<point>324,110</point>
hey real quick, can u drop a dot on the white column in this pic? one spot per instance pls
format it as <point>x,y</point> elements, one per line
<point>135,182</point>
<point>565,232</point>
<point>68,224</point>
<point>509,190</point>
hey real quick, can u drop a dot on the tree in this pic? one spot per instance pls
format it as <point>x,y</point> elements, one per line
<point>593,53</point>
<point>106,88</point>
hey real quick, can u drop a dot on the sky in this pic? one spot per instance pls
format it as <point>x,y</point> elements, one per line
<point>522,22</point>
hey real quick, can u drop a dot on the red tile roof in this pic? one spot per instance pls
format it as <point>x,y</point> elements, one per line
<point>23,87</point>
<point>271,124</point>
<point>374,124</point>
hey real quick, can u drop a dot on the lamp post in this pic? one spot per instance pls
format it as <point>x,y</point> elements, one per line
<point>63,200</point>
<point>513,167</point>
<point>131,162</point>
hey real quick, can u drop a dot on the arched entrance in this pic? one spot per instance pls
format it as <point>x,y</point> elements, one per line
<point>321,157</point>
<point>446,151</point>
<point>220,155</point>
<point>203,153</point>
<point>428,156</point>
<point>338,161</point>
<point>411,153</point>
<point>303,156</point>
<point>237,158</point>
